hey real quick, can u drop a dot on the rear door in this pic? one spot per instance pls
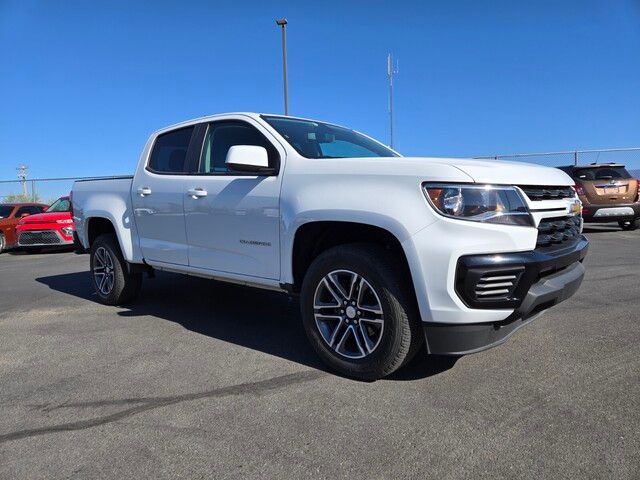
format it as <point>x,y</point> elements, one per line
<point>607,184</point>
<point>158,192</point>
<point>232,221</point>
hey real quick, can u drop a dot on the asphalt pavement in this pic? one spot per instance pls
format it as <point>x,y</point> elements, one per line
<point>200,379</point>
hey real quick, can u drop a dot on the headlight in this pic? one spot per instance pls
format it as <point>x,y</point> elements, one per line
<point>479,203</point>
<point>66,220</point>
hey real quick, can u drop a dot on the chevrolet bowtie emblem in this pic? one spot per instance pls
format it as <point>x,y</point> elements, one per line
<point>576,208</point>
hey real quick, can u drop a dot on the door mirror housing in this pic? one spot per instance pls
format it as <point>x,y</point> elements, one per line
<point>250,159</point>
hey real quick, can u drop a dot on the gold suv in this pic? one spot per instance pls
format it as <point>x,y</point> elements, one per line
<point>608,193</point>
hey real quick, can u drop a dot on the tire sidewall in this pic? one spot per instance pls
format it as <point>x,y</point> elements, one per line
<point>2,243</point>
<point>371,366</point>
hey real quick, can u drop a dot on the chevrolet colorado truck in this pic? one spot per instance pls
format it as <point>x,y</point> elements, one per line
<point>386,253</point>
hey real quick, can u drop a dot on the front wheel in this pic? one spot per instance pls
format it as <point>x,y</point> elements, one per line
<point>3,243</point>
<point>359,311</point>
<point>630,224</point>
<point>112,281</point>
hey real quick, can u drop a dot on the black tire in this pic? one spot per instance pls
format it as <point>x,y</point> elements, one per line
<point>125,286</point>
<point>3,243</point>
<point>630,224</point>
<point>401,336</point>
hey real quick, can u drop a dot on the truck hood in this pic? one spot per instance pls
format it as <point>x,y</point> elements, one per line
<point>505,173</point>
<point>46,217</point>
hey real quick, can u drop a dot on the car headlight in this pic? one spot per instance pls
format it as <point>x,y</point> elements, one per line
<point>479,203</point>
<point>66,220</point>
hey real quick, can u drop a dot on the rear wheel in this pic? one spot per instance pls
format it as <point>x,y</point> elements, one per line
<point>630,224</point>
<point>3,243</point>
<point>112,281</point>
<point>359,311</point>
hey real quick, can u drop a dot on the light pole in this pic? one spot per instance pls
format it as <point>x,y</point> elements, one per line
<point>391,71</point>
<point>283,23</point>
<point>22,175</point>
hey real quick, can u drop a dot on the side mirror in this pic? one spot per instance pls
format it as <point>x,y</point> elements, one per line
<point>249,158</point>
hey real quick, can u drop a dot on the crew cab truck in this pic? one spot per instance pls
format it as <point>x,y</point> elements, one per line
<point>386,253</point>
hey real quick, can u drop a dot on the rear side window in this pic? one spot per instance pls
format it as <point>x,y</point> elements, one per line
<point>221,136</point>
<point>169,154</point>
<point>602,173</point>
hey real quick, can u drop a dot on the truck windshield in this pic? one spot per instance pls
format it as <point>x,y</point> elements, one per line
<point>60,205</point>
<point>323,140</point>
<point>5,210</point>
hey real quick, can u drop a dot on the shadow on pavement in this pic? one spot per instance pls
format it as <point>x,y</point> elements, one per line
<point>45,250</point>
<point>601,228</point>
<point>258,319</point>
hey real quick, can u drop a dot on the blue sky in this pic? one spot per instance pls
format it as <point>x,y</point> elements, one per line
<point>82,83</point>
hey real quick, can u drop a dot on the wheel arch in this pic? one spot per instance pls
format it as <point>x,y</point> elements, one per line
<point>314,237</point>
<point>103,224</point>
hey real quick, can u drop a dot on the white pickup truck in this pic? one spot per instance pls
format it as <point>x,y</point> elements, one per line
<point>387,253</point>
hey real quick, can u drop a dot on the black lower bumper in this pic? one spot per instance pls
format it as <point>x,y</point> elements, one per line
<point>548,290</point>
<point>592,213</point>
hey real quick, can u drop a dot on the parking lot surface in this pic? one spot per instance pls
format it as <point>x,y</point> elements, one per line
<point>204,380</point>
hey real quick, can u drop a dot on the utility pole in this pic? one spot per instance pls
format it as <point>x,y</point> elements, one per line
<point>283,23</point>
<point>22,175</point>
<point>391,71</point>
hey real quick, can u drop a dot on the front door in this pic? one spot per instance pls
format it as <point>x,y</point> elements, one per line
<point>232,219</point>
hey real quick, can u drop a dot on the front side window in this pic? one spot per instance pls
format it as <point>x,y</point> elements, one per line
<point>60,205</point>
<point>5,211</point>
<point>322,140</point>
<point>169,154</point>
<point>221,136</point>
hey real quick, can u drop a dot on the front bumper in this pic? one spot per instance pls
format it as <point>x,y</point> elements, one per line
<point>547,279</point>
<point>593,213</point>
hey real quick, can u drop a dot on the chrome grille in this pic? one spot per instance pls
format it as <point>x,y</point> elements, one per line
<point>44,237</point>
<point>557,232</point>
<point>538,193</point>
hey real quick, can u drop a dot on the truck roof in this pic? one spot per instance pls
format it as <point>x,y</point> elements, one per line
<point>254,115</point>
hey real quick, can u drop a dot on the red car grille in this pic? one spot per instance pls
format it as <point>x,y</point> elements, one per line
<point>46,237</point>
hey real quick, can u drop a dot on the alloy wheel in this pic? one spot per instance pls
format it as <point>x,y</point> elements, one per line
<point>103,272</point>
<point>348,314</point>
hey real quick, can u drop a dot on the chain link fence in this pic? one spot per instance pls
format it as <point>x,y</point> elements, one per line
<point>626,156</point>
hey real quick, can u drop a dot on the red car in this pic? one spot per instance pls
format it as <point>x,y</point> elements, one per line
<point>53,228</point>
<point>10,215</point>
